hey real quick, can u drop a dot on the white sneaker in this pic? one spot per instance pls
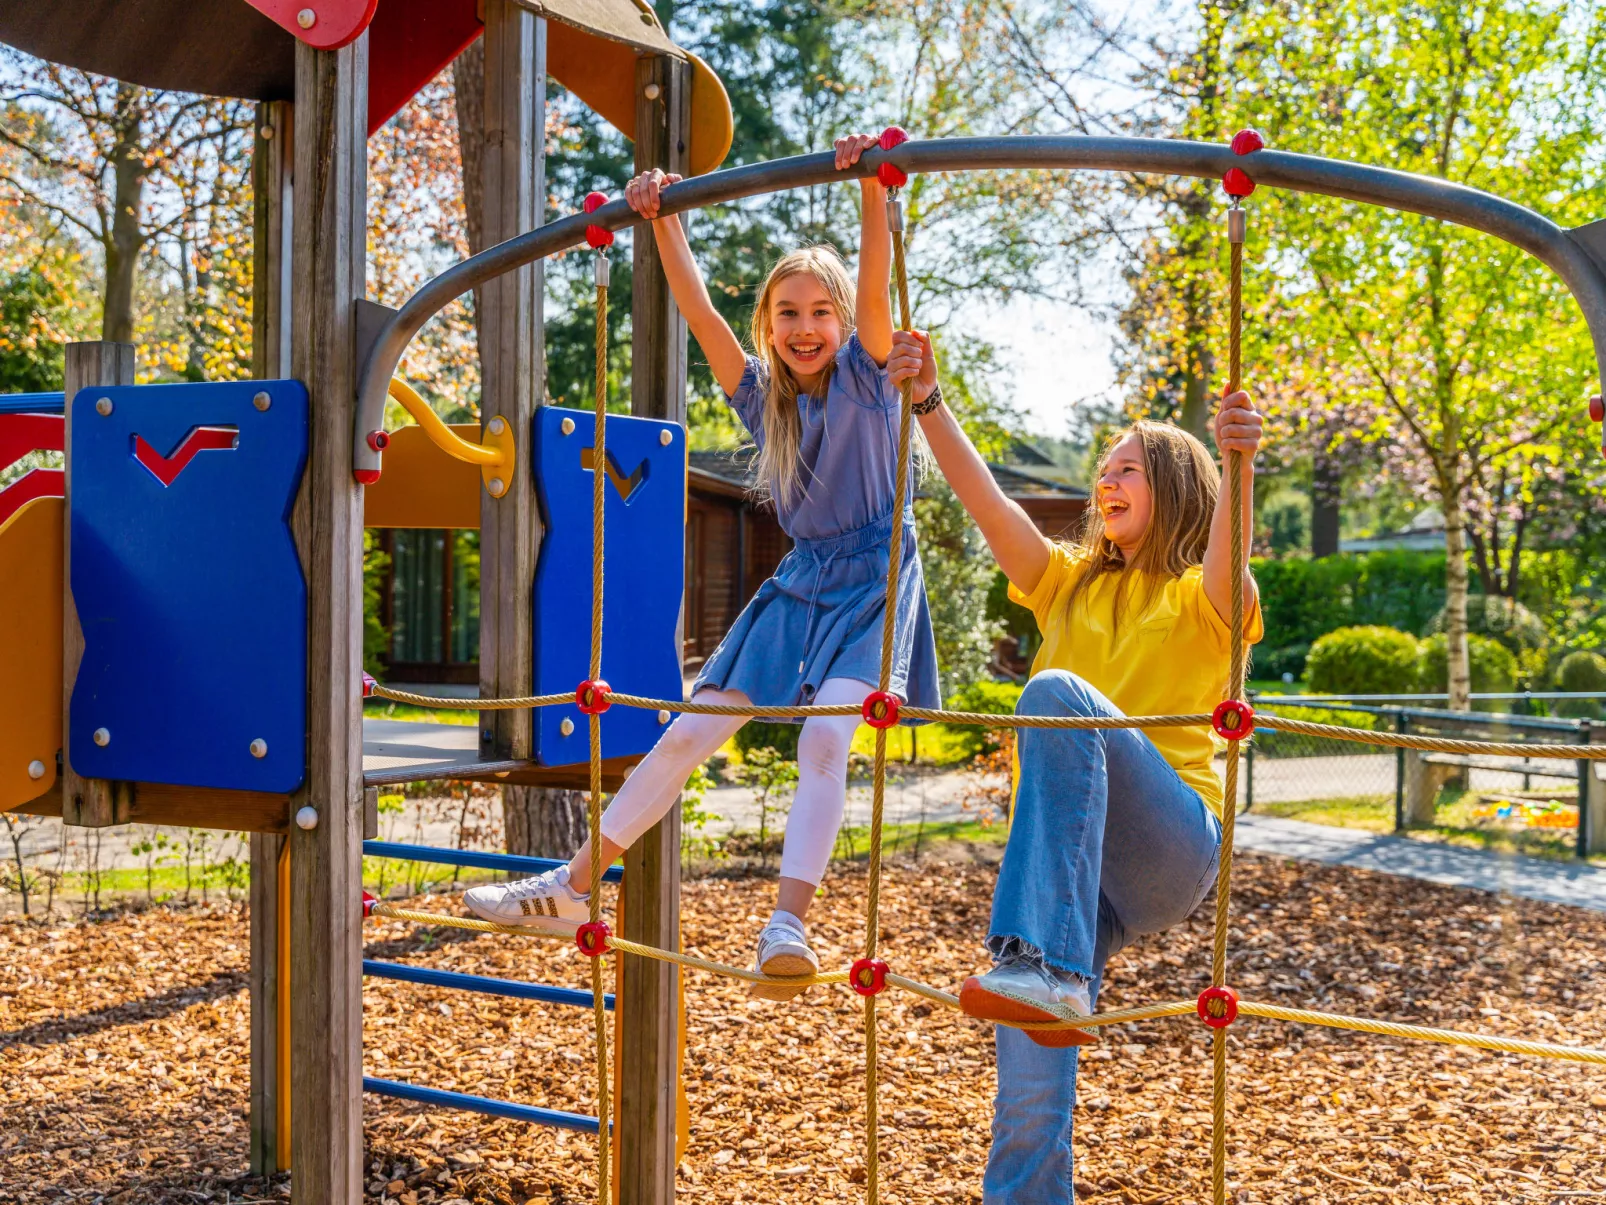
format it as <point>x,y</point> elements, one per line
<point>545,902</point>
<point>783,949</point>
<point>1024,990</point>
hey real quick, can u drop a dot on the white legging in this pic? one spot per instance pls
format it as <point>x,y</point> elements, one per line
<point>822,783</point>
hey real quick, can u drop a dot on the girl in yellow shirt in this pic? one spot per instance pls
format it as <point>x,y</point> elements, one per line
<point>1115,833</point>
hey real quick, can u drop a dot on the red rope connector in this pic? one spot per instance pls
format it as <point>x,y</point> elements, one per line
<point>368,902</point>
<point>868,976</point>
<point>880,709</point>
<point>597,236</point>
<point>592,938</point>
<point>1232,720</point>
<point>1218,1007</point>
<point>593,698</point>
<point>1237,183</point>
<point>1247,142</point>
<point>1597,409</point>
<point>378,440</point>
<point>369,685</point>
<point>890,174</point>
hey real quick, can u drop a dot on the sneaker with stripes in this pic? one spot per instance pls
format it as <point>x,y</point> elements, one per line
<point>546,902</point>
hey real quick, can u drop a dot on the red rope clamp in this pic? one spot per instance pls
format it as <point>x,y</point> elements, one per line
<point>868,976</point>
<point>1237,182</point>
<point>1232,720</point>
<point>368,902</point>
<point>1218,1007</point>
<point>369,685</point>
<point>597,237</point>
<point>890,174</point>
<point>592,938</point>
<point>880,709</point>
<point>378,440</point>
<point>593,698</point>
<point>1597,409</point>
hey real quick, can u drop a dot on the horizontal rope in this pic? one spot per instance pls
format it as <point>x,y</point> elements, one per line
<point>439,704</point>
<point>1423,1033</point>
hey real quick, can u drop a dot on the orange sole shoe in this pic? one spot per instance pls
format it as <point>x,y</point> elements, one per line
<point>977,1001</point>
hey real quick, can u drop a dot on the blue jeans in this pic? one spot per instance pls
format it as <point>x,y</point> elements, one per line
<point>1106,844</point>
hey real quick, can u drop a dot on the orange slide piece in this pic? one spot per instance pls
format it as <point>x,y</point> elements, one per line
<point>30,650</point>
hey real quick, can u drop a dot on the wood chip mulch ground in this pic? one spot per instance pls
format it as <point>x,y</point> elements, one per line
<point>124,1062</point>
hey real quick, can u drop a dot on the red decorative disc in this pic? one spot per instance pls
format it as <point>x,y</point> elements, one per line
<point>880,709</point>
<point>1237,182</point>
<point>1233,720</point>
<point>868,976</point>
<point>592,938</point>
<point>597,236</point>
<point>1597,409</point>
<point>368,902</point>
<point>890,174</point>
<point>1218,1007</point>
<point>592,698</point>
<point>1247,142</point>
<point>378,440</point>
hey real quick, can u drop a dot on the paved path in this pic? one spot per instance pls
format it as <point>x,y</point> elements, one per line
<point>1574,883</point>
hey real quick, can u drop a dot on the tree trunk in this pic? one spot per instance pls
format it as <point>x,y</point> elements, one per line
<point>122,252</point>
<point>1325,490</point>
<point>1455,583</point>
<point>543,822</point>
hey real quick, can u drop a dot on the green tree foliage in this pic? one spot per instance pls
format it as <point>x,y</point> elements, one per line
<point>959,573</point>
<point>1494,668</point>
<point>34,306</point>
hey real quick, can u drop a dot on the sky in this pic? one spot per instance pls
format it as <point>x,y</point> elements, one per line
<point>1058,356</point>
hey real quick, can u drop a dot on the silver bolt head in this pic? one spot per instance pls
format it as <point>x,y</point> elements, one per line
<point>261,400</point>
<point>259,748</point>
<point>103,406</point>
<point>496,426</point>
<point>663,717</point>
<point>306,18</point>
<point>103,737</point>
<point>307,818</point>
<point>652,91</point>
<point>567,426</point>
<point>666,437</point>
<point>497,486</point>
<point>567,727</point>
<point>36,768</point>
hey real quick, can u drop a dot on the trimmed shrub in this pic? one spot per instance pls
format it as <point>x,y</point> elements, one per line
<point>757,734</point>
<point>995,698</point>
<point>1494,667</point>
<point>1582,670</point>
<point>1370,660</point>
<point>1302,598</point>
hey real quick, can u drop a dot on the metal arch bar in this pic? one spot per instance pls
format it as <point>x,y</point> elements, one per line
<point>1468,207</point>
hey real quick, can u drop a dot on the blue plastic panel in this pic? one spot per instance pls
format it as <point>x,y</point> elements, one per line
<point>645,567</point>
<point>188,587</point>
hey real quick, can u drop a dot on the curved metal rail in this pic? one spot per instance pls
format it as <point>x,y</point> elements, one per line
<point>1469,207</point>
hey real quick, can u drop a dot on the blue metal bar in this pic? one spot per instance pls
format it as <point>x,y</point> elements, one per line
<point>484,984</point>
<point>474,858</point>
<point>33,403</point>
<point>480,1104</point>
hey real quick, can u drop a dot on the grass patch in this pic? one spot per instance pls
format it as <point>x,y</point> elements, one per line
<point>384,709</point>
<point>1371,813</point>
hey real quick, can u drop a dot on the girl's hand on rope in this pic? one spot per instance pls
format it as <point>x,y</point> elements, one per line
<point>644,191</point>
<point>913,359</point>
<point>848,150</point>
<point>1238,425</point>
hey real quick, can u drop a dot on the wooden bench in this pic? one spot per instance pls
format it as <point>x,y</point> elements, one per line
<point>1425,774</point>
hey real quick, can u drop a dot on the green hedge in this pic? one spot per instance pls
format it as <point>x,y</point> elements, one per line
<point>1494,668</point>
<point>1370,660</point>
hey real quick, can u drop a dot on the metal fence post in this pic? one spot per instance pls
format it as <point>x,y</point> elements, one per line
<point>1586,732</point>
<point>1249,774</point>
<point>1401,724</point>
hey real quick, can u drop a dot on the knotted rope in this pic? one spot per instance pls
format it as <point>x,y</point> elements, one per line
<point>599,482</point>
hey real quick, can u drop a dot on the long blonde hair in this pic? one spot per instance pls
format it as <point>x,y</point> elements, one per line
<point>779,477</point>
<point>1183,484</point>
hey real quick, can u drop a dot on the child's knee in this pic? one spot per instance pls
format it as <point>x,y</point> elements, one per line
<point>823,746</point>
<point>1056,692</point>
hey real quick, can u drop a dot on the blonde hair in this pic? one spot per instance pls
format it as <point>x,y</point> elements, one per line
<point>779,477</point>
<point>1183,484</point>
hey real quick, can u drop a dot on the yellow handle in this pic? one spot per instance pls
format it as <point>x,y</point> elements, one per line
<point>441,435</point>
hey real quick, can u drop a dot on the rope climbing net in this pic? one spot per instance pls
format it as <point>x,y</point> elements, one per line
<point>1218,1006</point>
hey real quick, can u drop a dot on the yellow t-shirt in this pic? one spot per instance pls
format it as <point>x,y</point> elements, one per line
<point>1171,657</point>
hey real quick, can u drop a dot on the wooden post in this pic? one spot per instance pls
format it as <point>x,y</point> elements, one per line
<point>512,365</point>
<point>328,255</point>
<point>90,802</point>
<point>270,170</point>
<point>649,993</point>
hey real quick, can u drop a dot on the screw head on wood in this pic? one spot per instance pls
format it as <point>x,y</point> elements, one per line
<point>103,406</point>
<point>496,486</point>
<point>259,748</point>
<point>36,768</point>
<point>261,400</point>
<point>663,717</point>
<point>652,91</point>
<point>103,737</point>
<point>306,18</point>
<point>666,437</point>
<point>267,133</point>
<point>497,425</point>
<point>567,426</point>
<point>307,818</point>
<point>566,728</point>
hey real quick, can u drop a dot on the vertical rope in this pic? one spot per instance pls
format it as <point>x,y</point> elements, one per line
<point>1229,803</point>
<point>599,483</point>
<point>872,931</point>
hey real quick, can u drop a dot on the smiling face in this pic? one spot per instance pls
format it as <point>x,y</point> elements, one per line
<point>1125,500</point>
<point>805,328</point>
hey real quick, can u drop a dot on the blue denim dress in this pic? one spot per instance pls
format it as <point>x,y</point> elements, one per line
<point>820,616</point>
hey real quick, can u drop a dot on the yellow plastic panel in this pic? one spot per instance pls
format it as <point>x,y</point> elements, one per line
<point>421,486</point>
<point>30,650</point>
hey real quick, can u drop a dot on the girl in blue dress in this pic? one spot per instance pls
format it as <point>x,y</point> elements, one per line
<point>823,416</point>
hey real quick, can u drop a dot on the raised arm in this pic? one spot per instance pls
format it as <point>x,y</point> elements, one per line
<point>1238,429</point>
<point>873,303</point>
<point>713,334</point>
<point>1021,551</point>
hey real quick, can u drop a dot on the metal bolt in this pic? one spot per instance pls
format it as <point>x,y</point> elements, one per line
<point>267,133</point>
<point>307,818</point>
<point>36,768</point>
<point>261,400</point>
<point>666,437</point>
<point>103,737</point>
<point>497,486</point>
<point>259,748</point>
<point>567,426</point>
<point>652,91</point>
<point>496,426</point>
<point>306,18</point>
<point>103,406</point>
<point>567,727</point>
<point>663,717</point>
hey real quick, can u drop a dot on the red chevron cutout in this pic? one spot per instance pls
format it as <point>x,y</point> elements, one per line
<point>199,439</point>
<point>24,433</point>
<point>39,483</point>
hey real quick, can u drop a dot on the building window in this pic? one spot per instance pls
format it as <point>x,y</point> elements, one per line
<point>434,599</point>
